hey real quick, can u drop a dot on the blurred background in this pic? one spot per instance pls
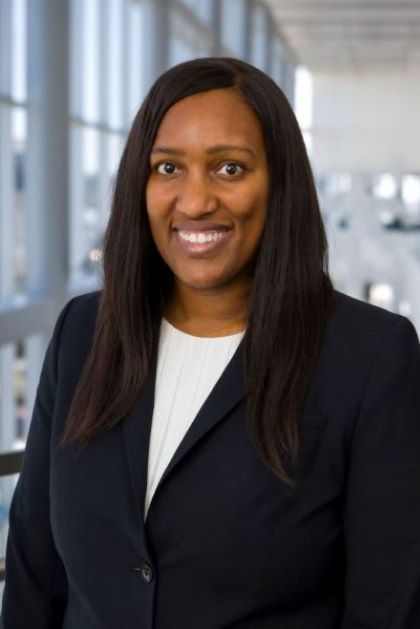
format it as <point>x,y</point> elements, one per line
<point>74,72</point>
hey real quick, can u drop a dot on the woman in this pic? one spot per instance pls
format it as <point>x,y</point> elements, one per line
<point>220,439</point>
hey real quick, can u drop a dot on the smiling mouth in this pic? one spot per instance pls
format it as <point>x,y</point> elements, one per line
<point>198,243</point>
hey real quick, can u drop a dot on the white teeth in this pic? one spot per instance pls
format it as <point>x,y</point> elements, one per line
<point>200,237</point>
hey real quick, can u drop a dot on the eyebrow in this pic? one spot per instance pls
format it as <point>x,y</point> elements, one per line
<point>219,148</point>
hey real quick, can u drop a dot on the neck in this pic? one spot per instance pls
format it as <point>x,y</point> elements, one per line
<point>215,312</point>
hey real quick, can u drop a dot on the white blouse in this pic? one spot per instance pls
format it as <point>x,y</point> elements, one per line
<point>188,367</point>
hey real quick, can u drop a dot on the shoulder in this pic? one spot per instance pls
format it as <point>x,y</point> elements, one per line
<point>82,309</point>
<point>365,349</point>
<point>75,326</point>
<point>363,327</point>
<point>360,341</point>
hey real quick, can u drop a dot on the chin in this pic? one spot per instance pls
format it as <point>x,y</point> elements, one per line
<point>202,283</point>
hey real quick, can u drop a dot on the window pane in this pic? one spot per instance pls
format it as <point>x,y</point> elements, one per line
<point>7,486</point>
<point>277,61</point>
<point>13,217</point>
<point>19,135</point>
<point>18,74</point>
<point>85,194</point>
<point>90,216</point>
<point>259,37</point>
<point>14,408</point>
<point>89,61</point>
<point>233,26</point>
<point>135,85</point>
<point>7,280</point>
<point>115,146</point>
<point>114,70</point>
<point>202,8</point>
<point>186,42</point>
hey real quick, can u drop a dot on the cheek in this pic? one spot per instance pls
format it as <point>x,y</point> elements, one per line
<point>155,207</point>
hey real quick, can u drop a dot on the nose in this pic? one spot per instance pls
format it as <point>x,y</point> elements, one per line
<point>196,195</point>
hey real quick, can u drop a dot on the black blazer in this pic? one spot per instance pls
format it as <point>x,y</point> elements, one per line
<point>225,544</point>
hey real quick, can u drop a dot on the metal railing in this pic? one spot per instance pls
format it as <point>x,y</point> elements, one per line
<point>10,463</point>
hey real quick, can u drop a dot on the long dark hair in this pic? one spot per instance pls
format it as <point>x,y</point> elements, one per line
<point>291,294</point>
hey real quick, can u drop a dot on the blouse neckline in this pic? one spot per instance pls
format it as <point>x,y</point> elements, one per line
<point>201,338</point>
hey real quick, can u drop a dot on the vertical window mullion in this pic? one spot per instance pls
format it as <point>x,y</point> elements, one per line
<point>103,181</point>
<point>5,47</point>
<point>76,199</point>
<point>76,55</point>
<point>125,60</point>
<point>104,70</point>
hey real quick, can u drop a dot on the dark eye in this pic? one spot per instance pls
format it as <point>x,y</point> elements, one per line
<point>232,168</point>
<point>166,168</point>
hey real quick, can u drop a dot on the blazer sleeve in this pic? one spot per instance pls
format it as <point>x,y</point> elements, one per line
<point>382,501</point>
<point>35,591</point>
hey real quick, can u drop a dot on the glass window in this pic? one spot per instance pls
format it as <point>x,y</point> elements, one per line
<point>135,76</point>
<point>13,147</point>
<point>90,54</point>
<point>186,40</point>
<point>277,55</point>
<point>233,30</point>
<point>18,57</point>
<point>107,41</point>
<point>202,8</point>
<point>259,38</point>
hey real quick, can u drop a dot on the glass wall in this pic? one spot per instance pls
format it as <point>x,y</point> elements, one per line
<point>13,147</point>
<point>106,87</point>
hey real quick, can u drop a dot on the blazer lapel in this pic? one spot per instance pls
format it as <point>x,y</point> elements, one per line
<point>226,393</point>
<point>136,431</point>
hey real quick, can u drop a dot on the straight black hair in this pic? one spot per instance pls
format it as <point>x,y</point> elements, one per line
<point>291,295</point>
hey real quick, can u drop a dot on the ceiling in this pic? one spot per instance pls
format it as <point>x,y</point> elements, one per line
<point>352,35</point>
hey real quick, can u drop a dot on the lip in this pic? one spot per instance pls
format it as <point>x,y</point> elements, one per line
<point>202,226</point>
<point>198,250</point>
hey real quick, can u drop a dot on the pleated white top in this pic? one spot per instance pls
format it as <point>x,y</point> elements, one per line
<point>187,369</point>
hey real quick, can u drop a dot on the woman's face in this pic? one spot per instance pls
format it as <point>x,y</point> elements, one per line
<point>208,189</point>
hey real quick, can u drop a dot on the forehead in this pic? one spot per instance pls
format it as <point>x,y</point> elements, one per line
<point>216,116</point>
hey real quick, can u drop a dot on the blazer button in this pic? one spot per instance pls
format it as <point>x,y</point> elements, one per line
<point>145,571</point>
